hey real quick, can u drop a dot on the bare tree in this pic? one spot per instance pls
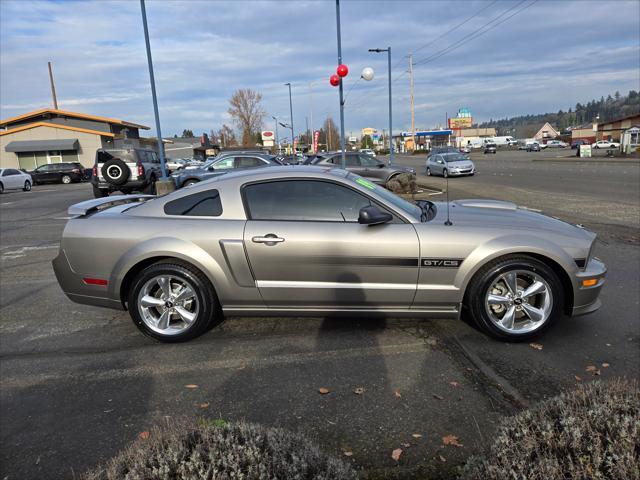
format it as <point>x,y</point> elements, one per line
<point>227,137</point>
<point>332,137</point>
<point>247,113</point>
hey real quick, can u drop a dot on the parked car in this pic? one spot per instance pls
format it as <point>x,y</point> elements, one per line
<point>605,144</point>
<point>490,148</point>
<point>449,165</point>
<point>64,172</point>
<point>576,143</point>
<point>368,151</point>
<point>304,240</point>
<point>174,164</point>
<point>465,150</point>
<point>125,170</point>
<point>364,165</point>
<point>222,165</point>
<point>533,147</point>
<point>13,179</point>
<point>556,144</point>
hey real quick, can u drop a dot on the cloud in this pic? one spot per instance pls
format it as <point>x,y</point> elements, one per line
<point>542,59</point>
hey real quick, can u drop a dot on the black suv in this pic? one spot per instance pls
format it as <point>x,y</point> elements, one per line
<point>65,172</point>
<point>125,170</point>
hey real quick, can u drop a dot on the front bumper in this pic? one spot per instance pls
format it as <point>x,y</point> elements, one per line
<point>585,299</point>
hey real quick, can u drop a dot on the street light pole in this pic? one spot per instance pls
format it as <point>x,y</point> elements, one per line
<point>388,50</point>
<point>277,141</point>
<point>291,113</point>
<point>344,158</point>
<point>153,91</point>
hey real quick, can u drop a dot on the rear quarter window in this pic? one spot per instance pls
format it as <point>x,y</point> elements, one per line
<point>201,204</point>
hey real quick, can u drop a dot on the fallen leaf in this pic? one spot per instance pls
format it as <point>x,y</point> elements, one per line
<point>578,379</point>
<point>204,405</point>
<point>323,390</point>
<point>347,452</point>
<point>608,344</point>
<point>406,445</point>
<point>605,365</point>
<point>396,454</point>
<point>442,459</point>
<point>592,369</point>
<point>143,435</point>
<point>435,395</point>
<point>191,385</point>
<point>537,346</point>
<point>451,440</point>
<point>416,435</point>
<point>359,391</point>
<point>397,394</point>
<point>453,384</point>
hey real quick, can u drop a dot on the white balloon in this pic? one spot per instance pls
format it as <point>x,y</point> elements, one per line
<point>367,74</point>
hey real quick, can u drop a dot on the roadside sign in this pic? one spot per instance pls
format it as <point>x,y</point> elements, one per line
<point>585,151</point>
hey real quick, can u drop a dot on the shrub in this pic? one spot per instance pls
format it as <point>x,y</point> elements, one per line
<point>591,433</point>
<point>216,450</point>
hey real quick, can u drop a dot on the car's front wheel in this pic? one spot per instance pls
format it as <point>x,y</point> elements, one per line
<point>428,172</point>
<point>172,301</point>
<point>27,186</point>
<point>190,182</point>
<point>66,179</point>
<point>445,174</point>
<point>515,298</point>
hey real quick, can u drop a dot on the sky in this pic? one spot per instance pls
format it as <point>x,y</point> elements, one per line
<point>498,58</point>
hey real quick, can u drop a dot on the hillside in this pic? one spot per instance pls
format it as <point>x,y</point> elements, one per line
<point>607,108</point>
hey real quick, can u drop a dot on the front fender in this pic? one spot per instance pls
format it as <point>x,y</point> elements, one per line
<point>509,245</point>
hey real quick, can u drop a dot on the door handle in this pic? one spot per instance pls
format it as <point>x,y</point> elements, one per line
<point>269,239</point>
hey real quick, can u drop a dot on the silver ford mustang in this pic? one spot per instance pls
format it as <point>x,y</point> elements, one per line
<point>299,240</point>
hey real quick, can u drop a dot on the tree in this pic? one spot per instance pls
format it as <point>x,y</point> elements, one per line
<point>227,137</point>
<point>366,142</point>
<point>187,133</point>
<point>247,113</point>
<point>332,137</point>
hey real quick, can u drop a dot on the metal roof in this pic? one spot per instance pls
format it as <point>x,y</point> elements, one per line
<point>42,145</point>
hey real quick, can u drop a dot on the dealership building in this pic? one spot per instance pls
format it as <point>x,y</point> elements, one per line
<point>53,136</point>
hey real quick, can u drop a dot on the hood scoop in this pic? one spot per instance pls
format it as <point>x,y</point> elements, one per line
<point>497,204</point>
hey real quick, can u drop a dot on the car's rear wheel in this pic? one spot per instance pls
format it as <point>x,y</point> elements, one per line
<point>445,174</point>
<point>66,179</point>
<point>172,301</point>
<point>150,189</point>
<point>428,172</point>
<point>100,192</point>
<point>515,298</point>
<point>27,186</point>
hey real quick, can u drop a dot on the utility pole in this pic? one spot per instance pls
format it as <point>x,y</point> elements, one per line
<point>413,126</point>
<point>311,111</point>
<point>277,139</point>
<point>344,157</point>
<point>388,50</point>
<point>53,87</point>
<point>291,113</point>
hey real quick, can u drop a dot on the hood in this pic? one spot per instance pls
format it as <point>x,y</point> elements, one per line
<point>495,213</point>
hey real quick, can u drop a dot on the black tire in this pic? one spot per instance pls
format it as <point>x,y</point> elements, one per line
<point>1,188</point>
<point>191,181</point>
<point>445,173</point>
<point>115,171</point>
<point>27,186</point>
<point>209,313</point>
<point>99,192</point>
<point>428,172</point>
<point>474,302</point>
<point>150,189</point>
<point>66,179</point>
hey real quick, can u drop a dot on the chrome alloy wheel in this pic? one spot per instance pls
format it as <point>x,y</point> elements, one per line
<point>114,171</point>
<point>168,305</point>
<point>519,301</point>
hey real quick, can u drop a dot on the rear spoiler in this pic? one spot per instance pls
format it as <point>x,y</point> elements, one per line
<point>83,208</point>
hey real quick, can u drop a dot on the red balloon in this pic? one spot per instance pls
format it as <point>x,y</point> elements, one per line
<point>342,70</point>
<point>334,80</point>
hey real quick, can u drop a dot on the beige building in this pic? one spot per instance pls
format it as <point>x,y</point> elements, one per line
<point>473,137</point>
<point>53,136</point>
<point>547,132</point>
<point>613,130</point>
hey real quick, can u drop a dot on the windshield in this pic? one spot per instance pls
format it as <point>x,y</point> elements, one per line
<point>454,157</point>
<point>400,203</point>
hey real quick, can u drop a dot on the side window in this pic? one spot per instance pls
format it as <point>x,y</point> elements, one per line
<point>351,160</point>
<point>439,159</point>
<point>44,168</point>
<point>245,162</point>
<point>303,200</point>
<point>13,172</point>
<point>154,157</point>
<point>201,204</point>
<point>226,162</point>
<point>368,161</point>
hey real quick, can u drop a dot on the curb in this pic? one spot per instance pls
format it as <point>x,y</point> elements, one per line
<point>586,160</point>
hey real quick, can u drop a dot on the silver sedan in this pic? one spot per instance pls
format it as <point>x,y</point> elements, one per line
<point>301,240</point>
<point>449,164</point>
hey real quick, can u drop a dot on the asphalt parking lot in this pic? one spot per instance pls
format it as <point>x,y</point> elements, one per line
<point>79,382</point>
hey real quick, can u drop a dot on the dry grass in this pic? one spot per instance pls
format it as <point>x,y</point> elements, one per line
<point>215,450</point>
<point>591,433</point>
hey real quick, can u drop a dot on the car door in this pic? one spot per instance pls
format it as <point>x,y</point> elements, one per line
<point>44,173</point>
<point>438,164</point>
<point>10,178</point>
<point>307,249</point>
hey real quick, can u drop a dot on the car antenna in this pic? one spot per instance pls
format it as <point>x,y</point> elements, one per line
<point>448,222</point>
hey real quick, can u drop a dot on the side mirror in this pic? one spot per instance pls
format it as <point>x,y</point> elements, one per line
<point>381,165</point>
<point>211,169</point>
<point>372,215</point>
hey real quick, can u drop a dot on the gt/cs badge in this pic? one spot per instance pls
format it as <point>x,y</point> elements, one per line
<point>442,262</point>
